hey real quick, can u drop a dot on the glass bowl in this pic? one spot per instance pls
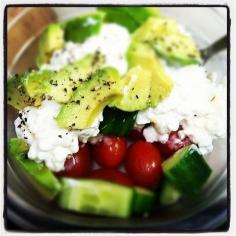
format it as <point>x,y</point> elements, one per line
<point>29,210</point>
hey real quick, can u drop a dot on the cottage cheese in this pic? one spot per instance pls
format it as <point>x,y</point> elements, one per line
<point>48,142</point>
<point>197,103</point>
<point>112,41</point>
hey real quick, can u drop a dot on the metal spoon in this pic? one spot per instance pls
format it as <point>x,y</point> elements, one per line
<point>214,48</point>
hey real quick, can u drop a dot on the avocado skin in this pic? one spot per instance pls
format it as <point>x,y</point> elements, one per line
<point>52,39</point>
<point>38,174</point>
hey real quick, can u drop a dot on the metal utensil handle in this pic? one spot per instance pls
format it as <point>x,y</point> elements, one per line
<point>217,46</point>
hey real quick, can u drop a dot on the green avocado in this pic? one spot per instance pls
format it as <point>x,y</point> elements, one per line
<point>80,28</point>
<point>65,82</point>
<point>169,41</point>
<point>52,39</point>
<point>27,89</point>
<point>89,99</point>
<point>37,173</point>
<point>161,85</point>
<point>136,89</point>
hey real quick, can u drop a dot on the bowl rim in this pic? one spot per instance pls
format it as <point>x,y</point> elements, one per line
<point>147,225</point>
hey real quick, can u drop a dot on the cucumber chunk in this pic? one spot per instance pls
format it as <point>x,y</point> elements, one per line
<point>17,146</point>
<point>169,194</point>
<point>81,28</point>
<point>129,17</point>
<point>49,184</point>
<point>96,197</point>
<point>187,170</point>
<point>38,174</point>
<point>117,122</point>
<point>143,200</point>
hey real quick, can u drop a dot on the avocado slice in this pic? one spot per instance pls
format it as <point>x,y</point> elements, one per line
<point>136,89</point>
<point>89,99</point>
<point>64,83</point>
<point>27,89</point>
<point>129,17</point>
<point>161,85</point>
<point>52,39</point>
<point>80,28</point>
<point>37,173</point>
<point>169,41</point>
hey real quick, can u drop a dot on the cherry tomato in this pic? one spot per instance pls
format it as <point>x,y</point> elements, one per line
<point>110,151</point>
<point>173,144</point>
<point>112,175</point>
<point>79,165</point>
<point>143,164</point>
<point>136,134</point>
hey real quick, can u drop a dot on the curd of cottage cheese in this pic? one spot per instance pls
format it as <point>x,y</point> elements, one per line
<point>48,142</point>
<point>112,42</point>
<point>196,102</point>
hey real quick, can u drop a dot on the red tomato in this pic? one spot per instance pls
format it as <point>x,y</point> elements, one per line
<point>173,144</point>
<point>136,134</point>
<point>143,164</point>
<point>111,175</point>
<point>79,165</point>
<point>109,152</point>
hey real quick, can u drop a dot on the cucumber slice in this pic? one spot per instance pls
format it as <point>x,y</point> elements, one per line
<point>143,200</point>
<point>96,197</point>
<point>169,194</point>
<point>187,170</point>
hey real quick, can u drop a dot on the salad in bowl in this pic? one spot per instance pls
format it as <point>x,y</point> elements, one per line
<point>120,114</point>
